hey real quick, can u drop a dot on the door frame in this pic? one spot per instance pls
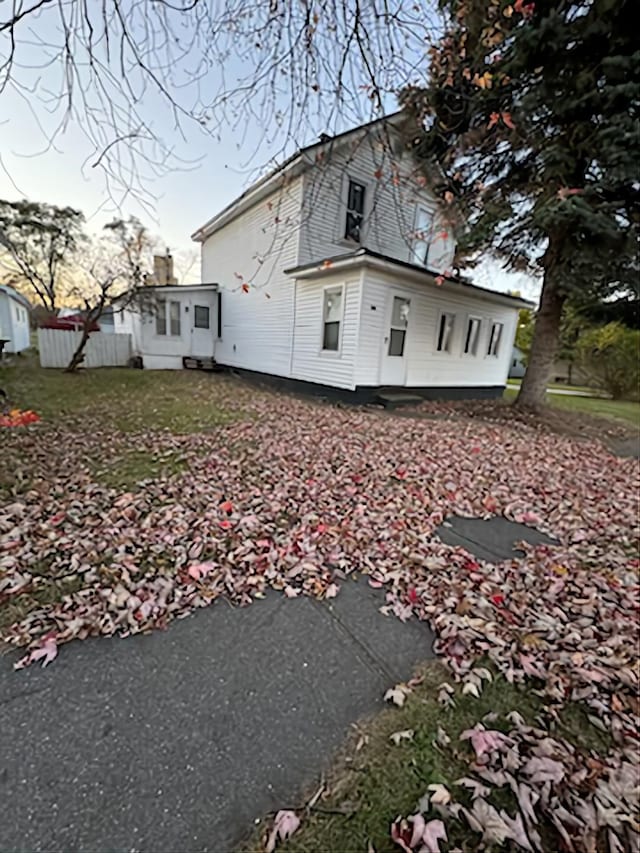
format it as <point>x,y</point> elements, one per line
<point>391,294</point>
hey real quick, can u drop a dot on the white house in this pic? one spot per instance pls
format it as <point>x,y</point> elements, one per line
<point>175,322</point>
<point>335,273</point>
<point>14,320</point>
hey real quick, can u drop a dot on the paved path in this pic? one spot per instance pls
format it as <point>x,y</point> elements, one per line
<point>178,740</point>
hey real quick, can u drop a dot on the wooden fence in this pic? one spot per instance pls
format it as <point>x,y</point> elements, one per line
<point>103,349</point>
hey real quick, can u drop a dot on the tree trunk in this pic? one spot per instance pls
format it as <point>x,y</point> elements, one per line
<point>544,346</point>
<point>78,357</point>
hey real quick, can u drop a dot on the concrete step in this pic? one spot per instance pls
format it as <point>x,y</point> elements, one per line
<point>194,362</point>
<point>394,400</point>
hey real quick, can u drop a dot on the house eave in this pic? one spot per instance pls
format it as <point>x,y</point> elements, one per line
<point>363,258</point>
<point>290,168</point>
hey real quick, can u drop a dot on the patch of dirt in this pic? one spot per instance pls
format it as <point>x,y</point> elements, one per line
<point>619,438</point>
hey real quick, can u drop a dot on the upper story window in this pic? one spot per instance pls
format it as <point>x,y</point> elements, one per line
<point>355,211</point>
<point>423,235</point>
<point>472,336</point>
<point>445,332</point>
<point>494,339</point>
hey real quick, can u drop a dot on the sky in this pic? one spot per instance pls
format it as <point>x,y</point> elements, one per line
<point>209,169</point>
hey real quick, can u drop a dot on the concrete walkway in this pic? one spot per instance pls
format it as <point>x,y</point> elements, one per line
<point>179,740</point>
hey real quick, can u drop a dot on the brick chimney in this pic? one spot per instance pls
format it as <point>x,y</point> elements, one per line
<point>163,269</point>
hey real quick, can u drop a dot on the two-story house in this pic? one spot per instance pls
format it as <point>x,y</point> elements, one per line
<point>334,272</point>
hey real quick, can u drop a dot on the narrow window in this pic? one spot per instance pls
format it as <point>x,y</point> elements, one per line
<point>424,233</point>
<point>399,322</point>
<point>445,332</point>
<point>355,211</point>
<point>201,316</point>
<point>494,339</point>
<point>174,318</point>
<point>471,338</point>
<point>332,317</point>
<point>161,317</point>
<point>219,314</point>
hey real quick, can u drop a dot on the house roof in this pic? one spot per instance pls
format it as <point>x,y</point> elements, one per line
<point>367,257</point>
<point>292,166</point>
<point>13,294</point>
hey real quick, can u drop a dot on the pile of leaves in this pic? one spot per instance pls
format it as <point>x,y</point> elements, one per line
<point>297,496</point>
<point>17,417</point>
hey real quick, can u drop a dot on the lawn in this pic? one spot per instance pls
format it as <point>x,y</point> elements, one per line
<point>141,497</point>
<point>619,410</point>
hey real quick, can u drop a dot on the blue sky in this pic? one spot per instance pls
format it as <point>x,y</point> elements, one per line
<point>217,167</point>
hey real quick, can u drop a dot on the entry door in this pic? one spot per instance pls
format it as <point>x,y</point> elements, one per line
<point>202,327</point>
<point>394,353</point>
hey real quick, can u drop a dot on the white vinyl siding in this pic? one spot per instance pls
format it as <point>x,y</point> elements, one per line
<point>310,362</point>
<point>426,366</point>
<point>254,250</point>
<point>391,198</point>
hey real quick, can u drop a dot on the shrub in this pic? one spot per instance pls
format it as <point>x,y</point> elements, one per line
<point>610,356</point>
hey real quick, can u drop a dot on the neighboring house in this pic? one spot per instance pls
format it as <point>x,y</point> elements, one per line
<point>518,366</point>
<point>335,271</point>
<point>171,323</point>
<point>14,320</point>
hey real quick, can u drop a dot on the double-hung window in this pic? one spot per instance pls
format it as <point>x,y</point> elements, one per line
<point>167,317</point>
<point>423,235</point>
<point>472,336</point>
<point>331,318</point>
<point>494,339</point>
<point>445,332</point>
<point>355,211</point>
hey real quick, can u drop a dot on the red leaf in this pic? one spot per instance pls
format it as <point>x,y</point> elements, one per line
<point>245,288</point>
<point>506,118</point>
<point>226,506</point>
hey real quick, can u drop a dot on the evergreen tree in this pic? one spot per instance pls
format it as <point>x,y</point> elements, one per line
<point>532,110</point>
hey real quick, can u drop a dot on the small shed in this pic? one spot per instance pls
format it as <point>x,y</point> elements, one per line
<point>14,320</point>
<point>173,323</point>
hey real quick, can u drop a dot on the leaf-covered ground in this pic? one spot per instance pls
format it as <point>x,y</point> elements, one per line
<point>140,499</point>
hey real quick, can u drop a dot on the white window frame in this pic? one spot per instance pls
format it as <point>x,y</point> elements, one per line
<point>167,317</point>
<point>344,201</point>
<point>160,301</point>
<point>332,353</point>
<point>498,349</point>
<point>444,313</point>
<point>474,353</point>
<point>432,211</point>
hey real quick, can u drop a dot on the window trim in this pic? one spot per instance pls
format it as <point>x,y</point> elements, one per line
<point>332,353</point>
<point>495,323</point>
<point>448,313</point>
<point>162,300</point>
<point>473,354</point>
<point>432,211</point>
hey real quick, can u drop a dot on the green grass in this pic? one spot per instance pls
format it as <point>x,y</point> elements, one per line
<point>515,383</point>
<point>620,410</point>
<point>373,784</point>
<point>123,399</point>
<point>133,466</point>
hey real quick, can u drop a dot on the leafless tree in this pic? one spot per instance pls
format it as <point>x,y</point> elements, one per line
<point>136,76</point>
<point>111,276</point>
